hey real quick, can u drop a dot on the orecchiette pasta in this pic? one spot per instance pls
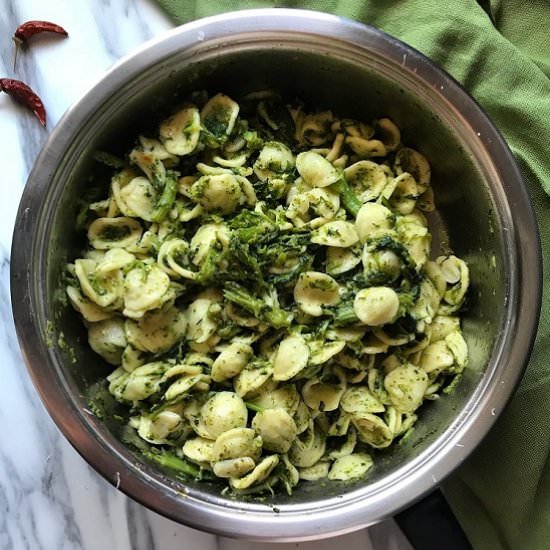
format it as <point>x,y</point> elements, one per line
<point>261,278</point>
<point>108,339</point>
<point>314,291</point>
<point>145,288</point>
<point>276,428</point>
<point>222,412</point>
<point>351,466</point>
<point>180,133</point>
<point>157,331</point>
<point>291,357</point>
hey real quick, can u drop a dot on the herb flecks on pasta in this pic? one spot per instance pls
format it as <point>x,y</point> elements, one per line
<point>260,277</point>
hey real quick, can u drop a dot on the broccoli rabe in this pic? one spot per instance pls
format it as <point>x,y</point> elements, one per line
<point>253,140</point>
<point>271,314</point>
<point>349,199</point>
<point>177,464</point>
<point>166,198</point>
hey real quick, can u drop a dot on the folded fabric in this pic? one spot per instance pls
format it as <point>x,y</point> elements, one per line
<point>500,51</point>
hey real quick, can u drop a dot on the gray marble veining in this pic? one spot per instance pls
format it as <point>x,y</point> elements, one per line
<point>50,499</point>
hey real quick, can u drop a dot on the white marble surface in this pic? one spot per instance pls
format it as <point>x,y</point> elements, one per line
<point>49,497</point>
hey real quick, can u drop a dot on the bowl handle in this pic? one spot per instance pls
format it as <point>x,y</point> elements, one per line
<point>430,524</point>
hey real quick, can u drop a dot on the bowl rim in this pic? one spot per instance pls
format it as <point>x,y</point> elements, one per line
<point>342,515</point>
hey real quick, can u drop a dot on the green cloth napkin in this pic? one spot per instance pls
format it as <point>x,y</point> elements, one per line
<point>502,56</point>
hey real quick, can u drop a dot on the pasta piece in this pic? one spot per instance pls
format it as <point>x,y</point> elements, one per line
<point>187,378</point>
<point>173,257</point>
<point>149,241</point>
<point>114,259</point>
<point>342,260</point>
<point>240,317</point>
<point>120,180</point>
<point>398,340</point>
<point>316,170</point>
<point>236,443</point>
<point>157,331</point>
<point>162,428</point>
<point>443,325</point>
<point>233,161</point>
<point>405,193</point>
<point>218,118</point>
<point>315,290</point>
<point>180,133</point>
<point>233,467</point>
<point>315,472</point>
<point>302,417</point>
<point>139,384</point>
<point>292,357</point>
<point>427,304</point>
<point>285,397</point>
<point>222,412</point>
<point>351,439</point>
<point>145,288</point>
<point>372,430</point>
<point>413,229</point>
<point>426,201</point>
<point>137,198</point>
<point>249,382</point>
<point>350,467</point>
<point>158,150</point>
<point>324,201</point>
<point>231,361</point>
<point>338,233</point>
<point>276,428</point>
<point>406,386</point>
<point>359,400</point>
<point>390,133</point>
<point>307,450</point>
<point>366,179</point>
<point>108,339</point>
<point>131,359</point>
<point>456,274</point>
<point>347,334</point>
<point>102,289</point>
<point>366,148</point>
<point>373,220</point>
<point>220,192</point>
<point>88,309</point>
<point>456,343</point>
<point>260,473</point>
<point>321,351</point>
<point>313,129</point>
<point>206,237</point>
<point>121,232</point>
<point>376,306</point>
<point>411,161</point>
<point>201,320</point>
<point>289,476</point>
<point>199,450</point>
<point>377,262</point>
<point>436,358</point>
<point>320,396</point>
<point>274,160</point>
<point>150,165</point>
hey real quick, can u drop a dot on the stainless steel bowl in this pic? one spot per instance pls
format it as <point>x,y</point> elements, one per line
<point>357,71</point>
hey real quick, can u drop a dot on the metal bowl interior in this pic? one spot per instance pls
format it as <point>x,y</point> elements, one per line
<point>330,63</point>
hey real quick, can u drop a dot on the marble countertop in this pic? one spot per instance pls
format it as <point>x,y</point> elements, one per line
<point>49,497</point>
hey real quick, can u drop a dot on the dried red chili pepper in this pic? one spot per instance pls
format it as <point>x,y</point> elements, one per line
<point>24,95</point>
<point>30,28</point>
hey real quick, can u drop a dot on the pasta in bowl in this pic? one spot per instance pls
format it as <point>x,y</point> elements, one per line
<point>260,275</point>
